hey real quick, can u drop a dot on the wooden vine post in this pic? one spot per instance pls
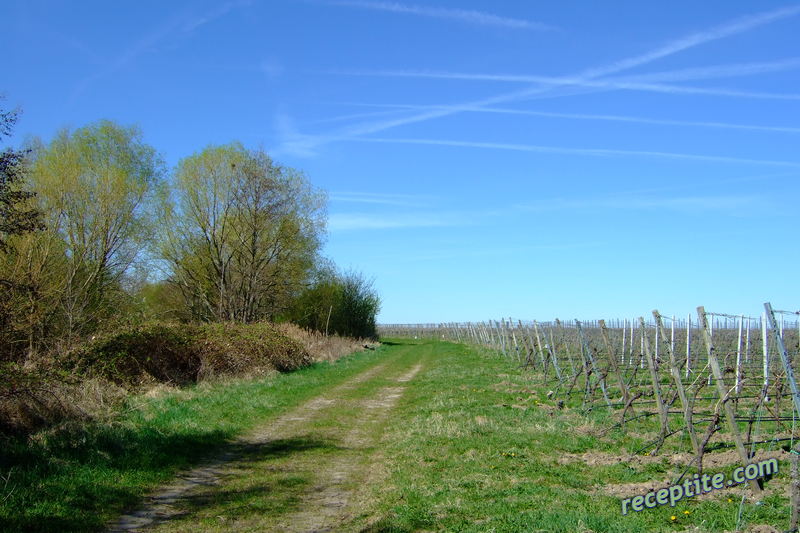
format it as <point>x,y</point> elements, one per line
<point>730,416</point>
<point>787,367</point>
<point>651,363</point>
<point>612,357</point>
<point>592,364</point>
<point>553,355</point>
<point>676,376</point>
<point>539,347</point>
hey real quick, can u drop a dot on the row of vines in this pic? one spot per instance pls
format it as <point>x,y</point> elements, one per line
<point>699,384</point>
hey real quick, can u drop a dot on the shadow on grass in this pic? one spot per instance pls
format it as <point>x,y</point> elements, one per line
<point>401,342</point>
<point>77,480</point>
<point>249,490</point>
<point>406,524</point>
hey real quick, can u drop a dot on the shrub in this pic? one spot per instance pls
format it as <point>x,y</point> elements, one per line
<point>30,399</point>
<point>148,353</point>
<point>181,354</point>
<point>100,373</point>
<point>230,349</point>
<point>342,303</point>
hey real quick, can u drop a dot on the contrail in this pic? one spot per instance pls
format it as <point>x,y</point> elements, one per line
<point>695,39</point>
<point>588,116</point>
<point>596,152</point>
<point>460,15</point>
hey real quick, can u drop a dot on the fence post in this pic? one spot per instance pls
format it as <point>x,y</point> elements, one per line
<point>765,349</point>
<point>702,322</point>
<point>615,368</point>
<point>688,344</point>
<point>739,357</point>
<point>777,331</point>
<point>676,376</point>
<point>591,360</point>
<point>662,409</point>
<point>784,355</point>
<point>539,346</point>
<point>552,349</point>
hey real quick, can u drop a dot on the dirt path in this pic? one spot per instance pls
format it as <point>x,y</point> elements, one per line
<point>297,473</point>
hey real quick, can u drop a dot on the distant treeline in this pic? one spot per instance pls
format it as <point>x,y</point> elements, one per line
<point>96,233</point>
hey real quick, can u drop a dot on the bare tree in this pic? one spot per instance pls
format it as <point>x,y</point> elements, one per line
<point>242,233</point>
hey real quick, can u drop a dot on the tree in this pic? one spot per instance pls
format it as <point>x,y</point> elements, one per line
<point>359,307</point>
<point>313,307</point>
<point>241,233</point>
<point>18,216</point>
<point>96,186</point>
<point>335,302</point>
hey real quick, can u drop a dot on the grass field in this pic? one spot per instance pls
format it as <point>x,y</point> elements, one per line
<point>476,446</point>
<point>78,479</point>
<point>415,436</point>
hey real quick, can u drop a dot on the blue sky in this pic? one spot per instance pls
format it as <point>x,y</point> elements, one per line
<point>483,159</point>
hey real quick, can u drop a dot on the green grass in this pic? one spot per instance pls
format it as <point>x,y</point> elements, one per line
<point>267,491</point>
<point>78,478</point>
<point>463,459</point>
<point>472,445</point>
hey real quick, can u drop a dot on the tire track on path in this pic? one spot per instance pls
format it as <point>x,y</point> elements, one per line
<point>326,506</point>
<point>161,505</point>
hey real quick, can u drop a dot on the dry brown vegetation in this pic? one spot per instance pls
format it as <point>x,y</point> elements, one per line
<point>92,379</point>
<point>324,347</point>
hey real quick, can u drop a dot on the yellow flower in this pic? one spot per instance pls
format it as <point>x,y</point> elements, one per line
<point>729,500</point>
<point>673,517</point>
<point>687,512</point>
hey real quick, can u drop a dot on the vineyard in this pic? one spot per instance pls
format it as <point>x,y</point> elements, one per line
<point>709,390</point>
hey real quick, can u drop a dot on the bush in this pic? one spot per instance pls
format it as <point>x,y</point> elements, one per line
<point>230,349</point>
<point>100,373</point>
<point>149,353</point>
<point>31,399</point>
<point>342,303</point>
<point>181,354</point>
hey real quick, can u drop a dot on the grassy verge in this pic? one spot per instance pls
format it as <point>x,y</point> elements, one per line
<point>77,478</point>
<point>286,485</point>
<point>475,445</point>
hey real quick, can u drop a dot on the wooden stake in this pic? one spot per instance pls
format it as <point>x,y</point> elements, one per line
<point>592,362</point>
<point>723,395</point>
<point>676,377</point>
<point>615,368</point>
<point>662,409</point>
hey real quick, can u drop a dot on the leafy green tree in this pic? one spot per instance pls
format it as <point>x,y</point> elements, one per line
<point>358,308</point>
<point>18,216</point>
<point>313,307</point>
<point>96,187</point>
<point>334,302</point>
<point>241,233</point>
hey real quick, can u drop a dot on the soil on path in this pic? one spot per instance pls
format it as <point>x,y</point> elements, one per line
<point>348,419</point>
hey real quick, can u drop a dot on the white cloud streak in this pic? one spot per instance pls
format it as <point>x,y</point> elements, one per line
<point>684,43</point>
<point>363,221</point>
<point>688,74</point>
<point>728,203</point>
<point>460,15</point>
<point>593,152</point>
<point>405,200</point>
<point>720,71</point>
<point>488,252</point>
<point>722,31</point>
<point>187,24</point>
<point>342,118</point>
<point>588,116</point>
<point>636,83</point>
<point>193,23</point>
